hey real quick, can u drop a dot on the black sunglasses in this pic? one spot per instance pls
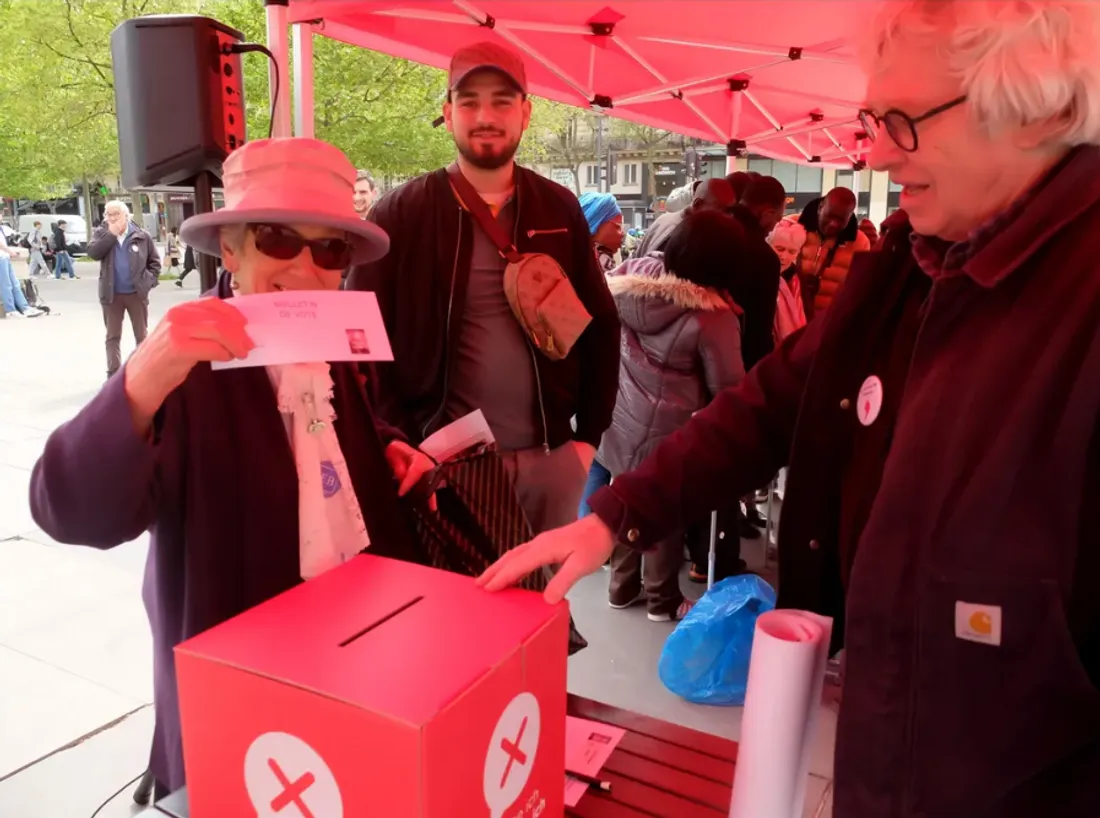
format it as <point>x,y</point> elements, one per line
<point>279,241</point>
<point>901,127</point>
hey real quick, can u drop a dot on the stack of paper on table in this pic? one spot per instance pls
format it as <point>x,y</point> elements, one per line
<point>588,746</point>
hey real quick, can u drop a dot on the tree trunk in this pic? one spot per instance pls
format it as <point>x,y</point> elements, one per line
<point>87,209</point>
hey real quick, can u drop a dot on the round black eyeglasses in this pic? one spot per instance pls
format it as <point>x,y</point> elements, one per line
<point>901,127</point>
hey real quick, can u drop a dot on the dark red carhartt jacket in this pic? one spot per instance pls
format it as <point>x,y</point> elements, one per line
<point>990,496</point>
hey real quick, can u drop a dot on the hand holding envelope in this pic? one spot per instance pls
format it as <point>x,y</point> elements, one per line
<point>204,330</point>
<point>307,326</point>
<point>252,330</point>
<point>409,466</point>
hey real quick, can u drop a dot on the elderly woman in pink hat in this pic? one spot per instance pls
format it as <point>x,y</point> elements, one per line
<point>243,492</point>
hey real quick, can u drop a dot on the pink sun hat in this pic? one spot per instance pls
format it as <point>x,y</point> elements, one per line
<point>291,180</point>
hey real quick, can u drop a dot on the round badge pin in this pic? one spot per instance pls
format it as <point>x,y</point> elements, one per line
<point>330,479</point>
<point>869,403</point>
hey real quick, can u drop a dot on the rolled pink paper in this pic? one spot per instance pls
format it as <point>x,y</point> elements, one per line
<point>790,650</point>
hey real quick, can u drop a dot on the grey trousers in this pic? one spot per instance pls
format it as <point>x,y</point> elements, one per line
<point>38,262</point>
<point>137,307</point>
<point>654,575</point>
<point>548,485</point>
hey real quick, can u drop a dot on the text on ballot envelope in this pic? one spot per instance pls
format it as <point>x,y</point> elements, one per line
<point>311,326</point>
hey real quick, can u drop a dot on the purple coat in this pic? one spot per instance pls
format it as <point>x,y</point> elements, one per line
<point>217,489</point>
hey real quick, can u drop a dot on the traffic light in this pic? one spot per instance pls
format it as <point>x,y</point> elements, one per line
<point>691,163</point>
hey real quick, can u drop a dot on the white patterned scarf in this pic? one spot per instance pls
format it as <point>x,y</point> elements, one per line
<point>330,522</point>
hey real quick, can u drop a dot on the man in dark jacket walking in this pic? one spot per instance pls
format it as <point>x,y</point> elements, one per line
<point>63,262</point>
<point>457,345</point>
<point>942,429</point>
<point>129,267</point>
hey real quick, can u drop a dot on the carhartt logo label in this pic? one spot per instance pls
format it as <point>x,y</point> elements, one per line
<point>978,623</point>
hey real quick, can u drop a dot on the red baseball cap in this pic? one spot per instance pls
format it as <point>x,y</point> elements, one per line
<point>487,55</point>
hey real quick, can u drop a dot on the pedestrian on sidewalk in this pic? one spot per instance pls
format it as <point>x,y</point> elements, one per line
<point>172,248</point>
<point>188,264</point>
<point>63,262</point>
<point>11,292</point>
<point>129,267</point>
<point>37,259</point>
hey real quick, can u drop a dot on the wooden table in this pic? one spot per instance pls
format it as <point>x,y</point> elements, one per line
<point>659,770</point>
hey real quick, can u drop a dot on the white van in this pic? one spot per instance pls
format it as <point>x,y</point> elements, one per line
<point>76,235</point>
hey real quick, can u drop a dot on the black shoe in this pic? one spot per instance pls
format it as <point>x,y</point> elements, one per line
<point>698,575</point>
<point>755,517</point>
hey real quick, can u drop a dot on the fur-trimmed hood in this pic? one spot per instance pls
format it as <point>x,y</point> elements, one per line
<point>650,298</point>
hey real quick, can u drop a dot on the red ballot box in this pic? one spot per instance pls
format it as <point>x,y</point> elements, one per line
<point>378,689</point>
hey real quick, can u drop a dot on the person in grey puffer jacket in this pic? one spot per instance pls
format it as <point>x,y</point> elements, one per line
<point>681,346</point>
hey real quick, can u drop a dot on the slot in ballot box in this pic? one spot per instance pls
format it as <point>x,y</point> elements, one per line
<point>381,688</point>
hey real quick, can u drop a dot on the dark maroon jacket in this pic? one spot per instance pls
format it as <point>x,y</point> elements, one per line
<point>217,489</point>
<point>989,496</point>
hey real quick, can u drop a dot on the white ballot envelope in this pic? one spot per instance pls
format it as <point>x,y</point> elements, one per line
<point>311,326</point>
<point>463,435</point>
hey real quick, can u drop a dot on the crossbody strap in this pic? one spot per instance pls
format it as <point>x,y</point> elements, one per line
<point>473,202</point>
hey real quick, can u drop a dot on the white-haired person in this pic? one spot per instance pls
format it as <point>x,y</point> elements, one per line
<point>941,424</point>
<point>129,267</point>
<point>252,479</point>
<point>786,239</point>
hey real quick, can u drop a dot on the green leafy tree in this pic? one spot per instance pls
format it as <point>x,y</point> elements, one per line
<point>560,136</point>
<point>57,108</point>
<point>650,141</point>
<point>57,91</point>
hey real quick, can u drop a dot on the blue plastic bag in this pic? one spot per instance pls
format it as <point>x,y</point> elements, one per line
<point>706,659</point>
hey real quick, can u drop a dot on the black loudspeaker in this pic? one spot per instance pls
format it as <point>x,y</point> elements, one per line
<point>178,98</point>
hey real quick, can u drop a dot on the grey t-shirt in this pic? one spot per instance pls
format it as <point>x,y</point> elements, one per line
<point>493,368</point>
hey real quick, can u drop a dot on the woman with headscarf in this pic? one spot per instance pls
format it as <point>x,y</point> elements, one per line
<point>249,480</point>
<point>605,225</point>
<point>786,239</point>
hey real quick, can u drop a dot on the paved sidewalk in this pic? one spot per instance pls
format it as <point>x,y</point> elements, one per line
<point>75,659</point>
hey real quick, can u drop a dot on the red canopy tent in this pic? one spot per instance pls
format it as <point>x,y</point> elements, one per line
<point>770,77</point>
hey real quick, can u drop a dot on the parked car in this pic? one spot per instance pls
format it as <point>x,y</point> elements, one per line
<point>76,229</point>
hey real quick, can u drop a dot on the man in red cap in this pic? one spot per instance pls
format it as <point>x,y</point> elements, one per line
<point>457,344</point>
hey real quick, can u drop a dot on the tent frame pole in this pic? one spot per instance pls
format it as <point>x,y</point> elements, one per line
<point>837,145</point>
<point>505,33</point>
<point>275,14</point>
<point>302,37</point>
<point>738,91</point>
<point>813,127</point>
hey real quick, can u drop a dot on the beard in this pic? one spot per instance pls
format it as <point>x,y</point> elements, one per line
<point>486,157</point>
